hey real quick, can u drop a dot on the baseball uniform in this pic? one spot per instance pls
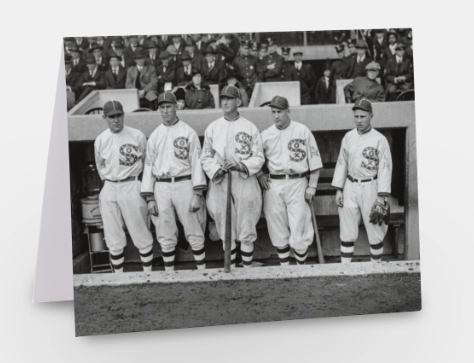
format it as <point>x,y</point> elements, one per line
<point>363,171</point>
<point>238,139</point>
<point>119,162</point>
<point>291,154</point>
<point>172,175</point>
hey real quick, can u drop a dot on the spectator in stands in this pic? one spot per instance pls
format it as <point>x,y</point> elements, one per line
<point>78,64</point>
<point>198,93</point>
<point>180,95</point>
<point>234,80</point>
<point>104,42</point>
<point>272,64</point>
<point>178,44</point>
<point>306,77</point>
<point>163,42</point>
<point>324,87</point>
<point>262,52</point>
<point>392,44</point>
<point>199,43</point>
<point>132,47</point>
<point>82,44</point>
<point>357,64</point>
<point>71,75</point>
<point>351,46</point>
<point>96,51</point>
<point>143,78</point>
<point>255,50</point>
<point>124,60</point>
<point>225,53</point>
<point>366,87</point>
<point>245,66</point>
<point>212,70</point>
<point>152,56</point>
<point>165,72</point>
<point>379,44</point>
<point>196,58</point>
<point>116,76</point>
<point>185,73</point>
<point>288,72</point>
<point>91,79</point>
<point>407,39</point>
<point>398,74</point>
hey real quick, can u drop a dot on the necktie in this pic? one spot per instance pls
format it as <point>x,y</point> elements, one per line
<point>210,67</point>
<point>164,69</point>
<point>137,80</point>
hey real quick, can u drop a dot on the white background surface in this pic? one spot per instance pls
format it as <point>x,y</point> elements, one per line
<point>31,38</point>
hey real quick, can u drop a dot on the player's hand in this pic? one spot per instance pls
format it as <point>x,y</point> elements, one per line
<point>152,208</point>
<point>264,180</point>
<point>309,194</point>
<point>231,164</point>
<point>141,93</point>
<point>195,203</point>
<point>402,78</point>
<point>339,198</point>
<point>219,176</point>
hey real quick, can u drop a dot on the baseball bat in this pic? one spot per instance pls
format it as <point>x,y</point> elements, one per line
<point>316,233</point>
<point>228,225</point>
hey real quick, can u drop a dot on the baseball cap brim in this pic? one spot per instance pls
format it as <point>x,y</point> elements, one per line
<point>361,108</point>
<point>280,107</point>
<point>114,112</point>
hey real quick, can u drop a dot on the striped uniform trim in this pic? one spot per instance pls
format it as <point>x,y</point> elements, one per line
<point>168,254</point>
<point>284,260</point>
<point>200,262</point>
<point>246,254</point>
<point>199,252</point>
<point>347,244</point>
<point>147,254</point>
<point>117,257</point>
<point>375,257</point>
<point>169,263</point>
<point>147,263</point>
<point>284,249</point>
<point>347,254</point>
<point>302,255</point>
<point>377,246</point>
<point>117,267</point>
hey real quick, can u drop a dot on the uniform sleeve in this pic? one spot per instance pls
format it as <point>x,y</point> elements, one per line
<point>99,161</point>
<point>148,180</point>
<point>209,164</point>
<point>385,170</point>
<point>256,160</point>
<point>340,172</point>
<point>314,157</point>
<point>198,178</point>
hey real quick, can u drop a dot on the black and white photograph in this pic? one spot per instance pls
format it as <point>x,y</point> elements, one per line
<point>232,178</point>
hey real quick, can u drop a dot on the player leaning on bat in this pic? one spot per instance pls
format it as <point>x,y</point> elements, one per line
<point>119,153</point>
<point>173,183</point>
<point>232,144</point>
<point>363,176</point>
<point>292,155</point>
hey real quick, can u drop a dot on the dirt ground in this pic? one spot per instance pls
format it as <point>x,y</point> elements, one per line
<point>155,306</point>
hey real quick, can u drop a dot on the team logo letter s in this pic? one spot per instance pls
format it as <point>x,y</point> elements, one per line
<point>372,156</point>
<point>181,148</point>
<point>130,152</point>
<point>297,146</point>
<point>245,141</point>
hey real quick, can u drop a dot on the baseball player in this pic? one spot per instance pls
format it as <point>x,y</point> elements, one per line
<point>232,144</point>
<point>119,153</point>
<point>173,182</point>
<point>292,155</point>
<point>363,175</point>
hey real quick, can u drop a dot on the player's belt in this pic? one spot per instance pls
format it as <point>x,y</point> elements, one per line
<point>173,179</point>
<point>288,176</point>
<point>130,178</point>
<point>354,180</point>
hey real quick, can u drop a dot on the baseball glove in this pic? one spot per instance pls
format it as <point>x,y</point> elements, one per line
<point>380,213</point>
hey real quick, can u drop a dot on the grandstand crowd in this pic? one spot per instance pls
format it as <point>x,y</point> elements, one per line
<point>379,62</point>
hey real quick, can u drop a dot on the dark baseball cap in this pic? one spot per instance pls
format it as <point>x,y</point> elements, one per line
<point>167,97</point>
<point>280,102</point>
<point>112,108</point>
<point>362,104</point>
<point>230,92</point>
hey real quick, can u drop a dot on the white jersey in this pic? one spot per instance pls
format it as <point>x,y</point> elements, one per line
<point>238,139</point>
<point>292,150</point>
<point>119,156</point>
<point>364,156</point>
<point>173,151</point>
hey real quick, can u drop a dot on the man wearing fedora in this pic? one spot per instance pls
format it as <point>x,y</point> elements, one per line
<point>119,155</point>
<point>173,183</point>
<point>213,70</point>
<point>232,144</point>
<point>116,76</point>
<point>124,59</point>
<point>196,57</point>
<point>165,72</point>
<point>245,66</point>
<point>358,61</point>
<point>97,50</point>
<point>91,79</point>
<point>306,77</point>
<point>152,54</point>
<point>78,64</point>
<point>185,72</point>
<point>398,73</point>
<point>272,64</point>
<point>143,78</point>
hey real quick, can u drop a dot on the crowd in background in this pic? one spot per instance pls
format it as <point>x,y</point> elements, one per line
<point>379,61</point>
